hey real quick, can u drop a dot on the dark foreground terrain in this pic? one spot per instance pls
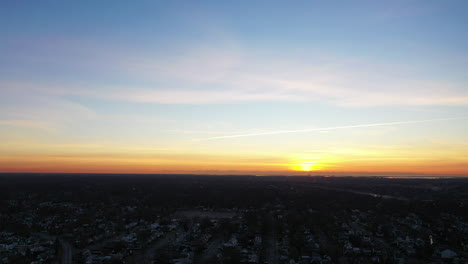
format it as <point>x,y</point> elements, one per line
<point>231,219</point>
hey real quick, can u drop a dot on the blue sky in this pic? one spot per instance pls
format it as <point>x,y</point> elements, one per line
<point>117,78</point>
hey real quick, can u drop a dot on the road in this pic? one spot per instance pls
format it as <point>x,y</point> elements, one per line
<point>271,241</point>
<point>158,244</point>
<point>375,195</point>
<point>210,252</point>
<point>67,249</point>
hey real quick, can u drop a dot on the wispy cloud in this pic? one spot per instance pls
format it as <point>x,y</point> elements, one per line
<point>27,124</point>
<point>231,73</point>
<point>327,128</point>
<point>222,76</point>
<point>25,106</point>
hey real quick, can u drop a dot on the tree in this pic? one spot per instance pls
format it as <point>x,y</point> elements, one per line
<point>232,255</point>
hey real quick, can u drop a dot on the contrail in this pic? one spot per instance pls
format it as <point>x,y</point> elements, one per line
<point>327,128</point>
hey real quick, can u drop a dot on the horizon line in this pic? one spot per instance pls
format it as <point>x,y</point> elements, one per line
<point>401,175</point>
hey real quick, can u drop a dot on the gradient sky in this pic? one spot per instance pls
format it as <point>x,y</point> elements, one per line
<point>263,87</point>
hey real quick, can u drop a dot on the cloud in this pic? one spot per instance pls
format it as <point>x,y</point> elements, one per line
<point>24,106</point>
<point>27,124</point>
<point>230,73</point>
<point>257,80</point>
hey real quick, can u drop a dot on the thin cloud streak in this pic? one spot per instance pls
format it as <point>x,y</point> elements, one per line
<point>27,124</point>
<point>329,128</point>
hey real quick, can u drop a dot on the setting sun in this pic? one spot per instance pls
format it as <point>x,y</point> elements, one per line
<point>313,165</point>
<point>307,167</point>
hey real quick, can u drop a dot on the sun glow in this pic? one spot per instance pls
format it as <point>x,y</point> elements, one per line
<point>308,165</point>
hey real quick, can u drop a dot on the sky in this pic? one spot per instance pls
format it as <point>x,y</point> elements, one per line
<point>234,87</point>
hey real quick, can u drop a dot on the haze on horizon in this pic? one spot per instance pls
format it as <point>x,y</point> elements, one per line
<point>248,87</point>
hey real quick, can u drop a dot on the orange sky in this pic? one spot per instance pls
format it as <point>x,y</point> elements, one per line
<point>340,164</point>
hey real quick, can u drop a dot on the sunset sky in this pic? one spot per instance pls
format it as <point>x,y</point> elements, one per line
<point>234,87</point>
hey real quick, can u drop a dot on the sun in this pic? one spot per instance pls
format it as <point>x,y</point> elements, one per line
<point>306,167</point>
<point>309,165</point>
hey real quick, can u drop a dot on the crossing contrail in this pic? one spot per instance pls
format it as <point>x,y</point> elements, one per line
<point>327,128</point>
